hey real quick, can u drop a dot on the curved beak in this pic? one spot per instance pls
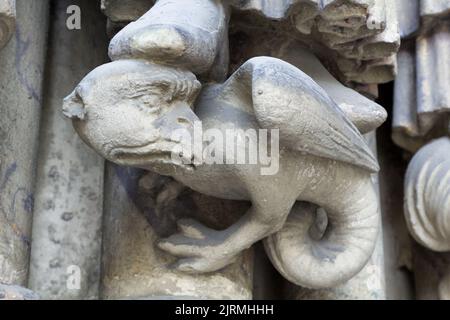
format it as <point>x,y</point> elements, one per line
<point>180,118</point>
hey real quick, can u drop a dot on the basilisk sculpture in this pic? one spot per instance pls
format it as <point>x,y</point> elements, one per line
<point>129,109</point>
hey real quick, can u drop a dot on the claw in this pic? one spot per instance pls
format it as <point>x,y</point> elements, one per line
<point>180,246</point>
<point>192,229</point>
<point>203,265</point>
<point>201,249</point>
<point>192,265</point>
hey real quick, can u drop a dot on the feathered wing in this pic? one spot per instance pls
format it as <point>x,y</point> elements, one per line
<point>285,98</point>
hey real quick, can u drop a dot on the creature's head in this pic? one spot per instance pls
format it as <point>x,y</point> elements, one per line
<point>127,111</point>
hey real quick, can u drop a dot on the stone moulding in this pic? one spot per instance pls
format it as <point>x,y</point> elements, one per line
<point>363,34</point>
<point>427,196</point>
<point>421,100</point>
<point>421,16</point>
<point>7,20</point>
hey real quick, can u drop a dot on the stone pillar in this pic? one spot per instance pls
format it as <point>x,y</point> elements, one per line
<point>7,20</point>
<point>69,189</point>
<point>141,208</point>
<point>21,81</point>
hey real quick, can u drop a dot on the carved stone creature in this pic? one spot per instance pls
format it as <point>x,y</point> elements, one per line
<point>127,111</point>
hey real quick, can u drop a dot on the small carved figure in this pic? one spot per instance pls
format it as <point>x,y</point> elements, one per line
<point>128,110</point>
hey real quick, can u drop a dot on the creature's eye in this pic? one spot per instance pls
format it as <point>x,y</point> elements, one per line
<point>149,103</point>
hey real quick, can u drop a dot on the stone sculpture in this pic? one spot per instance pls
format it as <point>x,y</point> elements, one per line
<point>319,146</point>
<point>182,214</point>
<point>427,209</point>
<point>427,197</point>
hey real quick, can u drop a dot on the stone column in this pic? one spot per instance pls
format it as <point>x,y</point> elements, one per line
<point>142,207</point>
<point>69,191</point>
<point>7,20</point>
<point>21,81</point>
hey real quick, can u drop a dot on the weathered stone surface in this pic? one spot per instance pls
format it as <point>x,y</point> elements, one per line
<point>427,209</point>
<point>364,113</point>
<point>432,12</point>
<point>397,243</point>
<point>21,81</point>
<point>421,16</point>
<point>7,20</point>
<point>433,77</point>
<point>125,11</point>
<point>408,12</point>
<point>405,131</point>
<point>192,36</point>
<point>69,186</point>
<point>368,284</point>
<point>16,293</point>
<point>427,197</point>
<point>364,34</point>
<point>421,100</point>
<point>139,209</point>
<point>432,274</point>
<point>435,8</point>
<point>422,103</point>
<point>277,80</point>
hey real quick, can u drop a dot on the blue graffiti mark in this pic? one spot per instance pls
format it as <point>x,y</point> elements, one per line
<point>28,201</point>
<point>22,47</point>
<point>27,205</point>
<point>26,240</point>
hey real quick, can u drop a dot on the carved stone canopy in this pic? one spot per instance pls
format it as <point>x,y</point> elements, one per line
<point>359,39</point>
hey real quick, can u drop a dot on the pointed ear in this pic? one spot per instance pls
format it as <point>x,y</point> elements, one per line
<point>73,107</point>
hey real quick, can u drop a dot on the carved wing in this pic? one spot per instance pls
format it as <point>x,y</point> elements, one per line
<point>285,98</point>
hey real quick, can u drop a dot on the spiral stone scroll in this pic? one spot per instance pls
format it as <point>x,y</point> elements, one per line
<point>427,196</point>
<point>7,20</point>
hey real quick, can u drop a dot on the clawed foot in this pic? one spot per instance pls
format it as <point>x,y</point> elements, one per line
<point>200,248</point>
